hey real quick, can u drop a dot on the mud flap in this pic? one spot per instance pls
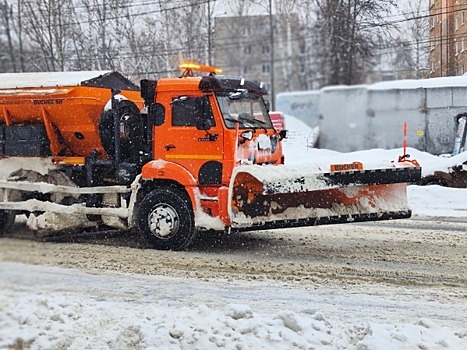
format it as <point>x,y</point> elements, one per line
<point>284,198</point>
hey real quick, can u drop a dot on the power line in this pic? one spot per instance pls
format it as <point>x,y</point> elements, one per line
<point>138,14</point>
<point>176,5</point>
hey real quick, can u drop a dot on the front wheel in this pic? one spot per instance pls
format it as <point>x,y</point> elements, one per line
<point>166,219</point>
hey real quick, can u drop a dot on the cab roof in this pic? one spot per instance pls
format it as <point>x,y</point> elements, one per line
<point>209,83</point>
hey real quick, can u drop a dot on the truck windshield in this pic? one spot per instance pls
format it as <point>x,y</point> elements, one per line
<point>246,109</point>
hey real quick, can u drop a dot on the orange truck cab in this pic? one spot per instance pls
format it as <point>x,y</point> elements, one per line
<point>203,128</point>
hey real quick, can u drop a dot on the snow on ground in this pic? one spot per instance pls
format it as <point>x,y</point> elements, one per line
<point>43,307</point>
<point>55,308</point>
<point>297,153</point>
<point>438,201</point>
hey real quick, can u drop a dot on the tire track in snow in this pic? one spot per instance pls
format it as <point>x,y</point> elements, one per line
<point>404,252</point>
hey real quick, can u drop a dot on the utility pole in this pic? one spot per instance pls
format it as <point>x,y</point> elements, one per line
<point>8,13</point>
<point>271,27</point>
<point>20,37</point>
<point>103,38</point>
<point>209,33</point>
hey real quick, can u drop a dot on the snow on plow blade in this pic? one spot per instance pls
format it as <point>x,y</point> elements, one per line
<point>286,198</point>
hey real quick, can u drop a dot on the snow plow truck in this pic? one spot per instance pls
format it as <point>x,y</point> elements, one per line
<point>168,158</point>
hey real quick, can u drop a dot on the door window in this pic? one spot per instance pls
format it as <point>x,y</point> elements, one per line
<point>187,110</point>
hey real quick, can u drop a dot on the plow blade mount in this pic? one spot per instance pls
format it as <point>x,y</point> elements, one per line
<point>284,198</point>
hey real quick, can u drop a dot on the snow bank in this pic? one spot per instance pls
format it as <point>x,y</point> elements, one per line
<point>449,201</point>
<point>420,83</point>
<point>437,201</point>
<point>297,154</point>
<point>56,322</point>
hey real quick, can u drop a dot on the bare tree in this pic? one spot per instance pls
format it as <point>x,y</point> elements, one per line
<point>6,19</point>
<point>417,23</point>
<point>348,33</point>
<point>406,55</point>
<point>47,25</point>
<point>99,44</point>
<point>286,38</point>
<point>131,42</point>
<point>12,42</point>
<point>403,61</point>
<point>191,28</point>
<point>306,67</point>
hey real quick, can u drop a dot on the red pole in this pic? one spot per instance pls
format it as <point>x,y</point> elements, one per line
<point>404,143</point>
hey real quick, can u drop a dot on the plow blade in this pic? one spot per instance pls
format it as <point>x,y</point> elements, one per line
<point>285,198</point>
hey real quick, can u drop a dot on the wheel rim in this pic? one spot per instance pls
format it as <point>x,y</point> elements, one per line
<point>163,220</point>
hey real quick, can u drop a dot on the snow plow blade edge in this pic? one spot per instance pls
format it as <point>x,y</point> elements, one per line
<point>264,200</point>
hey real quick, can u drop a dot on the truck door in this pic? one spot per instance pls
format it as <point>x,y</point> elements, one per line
<point>194,139</point>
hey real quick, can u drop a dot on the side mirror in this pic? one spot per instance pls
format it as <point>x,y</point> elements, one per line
<point>148,90</point>
<point>156,112</point>
<point>203,124</point>
<point>283,134</point>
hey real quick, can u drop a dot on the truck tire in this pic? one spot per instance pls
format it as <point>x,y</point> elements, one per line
<point>5,220</point>
<point>131,138</point>
<point>166,219</point>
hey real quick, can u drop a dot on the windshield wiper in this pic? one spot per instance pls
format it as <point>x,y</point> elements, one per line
<point>255,122</point>
<point>248,122</point>
<point>229,119</point>
<point>263,124</point>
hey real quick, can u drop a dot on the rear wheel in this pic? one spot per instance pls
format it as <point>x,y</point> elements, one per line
<point>166,219</point>
<point>7,218</point>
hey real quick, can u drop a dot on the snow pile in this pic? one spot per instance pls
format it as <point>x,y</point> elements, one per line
<point>431,163</point>
<point>283,179</point>
<point>297,154</point>
<point>71,324</point>
<point>437,201</point>
<point>300,136</point>
<point>264,142</point>
<point>104,310</point>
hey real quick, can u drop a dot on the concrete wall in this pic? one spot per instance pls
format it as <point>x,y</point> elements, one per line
<point>303,105</point>
<point>372,116</point>
<point>343,118</point>
<point>386,114</point>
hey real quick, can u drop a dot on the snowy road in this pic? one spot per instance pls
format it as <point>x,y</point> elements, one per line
<point>410,252</point>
